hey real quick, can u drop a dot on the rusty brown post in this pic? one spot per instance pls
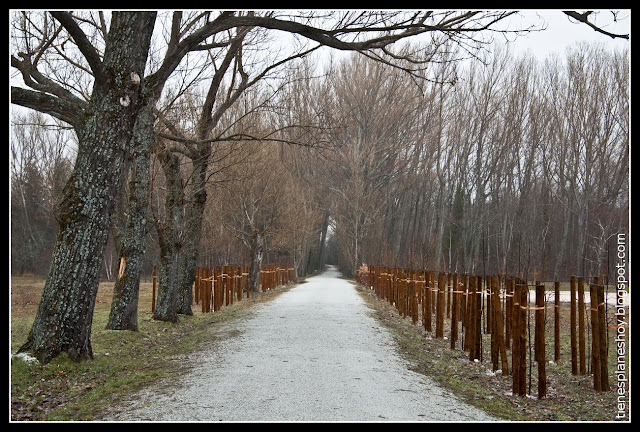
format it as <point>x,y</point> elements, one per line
<point>401,302</point>
<point>524,306</point>
<point>474,332</point>
<point>245,279</point>
<point>489,314</point>
<point>572,325</point>
<point>196,280</point>
<point>218,292</point>
<point>153,293</point>
<point>508,325</point>
<point>490,319</point>
<point>519,350</point>
<point>463,298</point>
<point>540,342</point>
<point>515,346</point>
<point>556,322</point>
<point>595,340</point>
<point>210,288</point>
<point>602,335</point>
<point>202,289</point>
<point>581,324</point>
<point>426,301</point>
<point>454,311</point>
<point>498,326</point>
<point>468,314</point>
<point>237,281</point>
<point>478,317</point>
<point>415,296</point>
<point>448,288</point>
<point>440,306</point>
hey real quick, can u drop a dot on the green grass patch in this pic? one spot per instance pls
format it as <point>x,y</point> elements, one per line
<point>124,361</point>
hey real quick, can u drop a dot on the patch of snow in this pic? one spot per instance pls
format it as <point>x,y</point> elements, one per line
<point>25,357</point>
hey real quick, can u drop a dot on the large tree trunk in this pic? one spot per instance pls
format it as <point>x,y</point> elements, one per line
<point>170,239</point>
<point>193,231</point>
<point>65,313</point>
<point>124,306</point>
<point>257,253</point>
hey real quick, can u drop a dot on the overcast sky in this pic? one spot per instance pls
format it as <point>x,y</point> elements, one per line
<point>561,31</point>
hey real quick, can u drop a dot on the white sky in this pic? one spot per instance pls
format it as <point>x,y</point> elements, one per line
<point>562,31</point>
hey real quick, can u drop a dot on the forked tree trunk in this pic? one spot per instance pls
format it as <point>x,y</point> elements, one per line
<point>65,313</point>
<point>124,305</point>
<point>170,239</point>
<point>257,253</point>
<point>193,231</point>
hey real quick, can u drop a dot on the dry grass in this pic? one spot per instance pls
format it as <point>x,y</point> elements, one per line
<point>569,397</point>
<point>124,361</point>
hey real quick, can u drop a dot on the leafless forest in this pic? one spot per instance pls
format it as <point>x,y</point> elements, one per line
<point>428,147</point>
<point>519,164</point>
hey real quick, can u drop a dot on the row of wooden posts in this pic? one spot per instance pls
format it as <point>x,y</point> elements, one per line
<point>222,285</point>
<point>419,294</point>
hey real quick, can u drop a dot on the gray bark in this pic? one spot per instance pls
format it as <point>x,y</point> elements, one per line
<point>124,306</point>
<point>104,129</point>
<point>257,253</point>
<point>170,239</point>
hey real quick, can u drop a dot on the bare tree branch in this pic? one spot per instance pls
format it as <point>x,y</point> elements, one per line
<point>584,18</point>
<point>81,40</point>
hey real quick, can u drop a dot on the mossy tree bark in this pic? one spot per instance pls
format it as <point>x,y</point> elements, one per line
<point>104,128</point>
<point>124,305</point>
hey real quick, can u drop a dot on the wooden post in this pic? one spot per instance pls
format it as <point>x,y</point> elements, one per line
<point>498,326</point>
<point>489,315</point>
<point>237,282</point>
<point>463,298</point>
<point>515,347</point>
<point>508,312</point>
<point>209,286</point>
<point>540,346</point>
<point>415,296</point>
<point>218,292</point>
<point>468,318</point>
<point>194,295</point>
<point>475,324</point>
<point>581,321</point>
<point>245,279</point>
<point>400,302</point>
<point>225,284</point>
<point>519,351</point>
<point>153,293</point>
<point>556,322</point>
<point>602,335</point>
<point>204,283</point>
<point>491,321</point>
<point>524,306</point>
<point>440,306</point>
<point>454,312</point>
<point>449,296</point>
<point>572,325</point>
<point>203,288</point>
<point>479,299</point>
<point>595,340</point>
<point>426,301</point>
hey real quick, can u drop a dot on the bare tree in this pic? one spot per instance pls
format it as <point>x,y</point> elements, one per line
<point>104,88</point>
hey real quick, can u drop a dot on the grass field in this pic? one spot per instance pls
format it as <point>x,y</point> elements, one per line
<point>127,361</point>
<point>569,397</point>
<point>124,361</point>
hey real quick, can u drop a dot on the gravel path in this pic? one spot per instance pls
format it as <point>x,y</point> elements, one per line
<point>312,354</point>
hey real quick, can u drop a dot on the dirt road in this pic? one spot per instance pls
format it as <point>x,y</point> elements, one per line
<point>312,354</point>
